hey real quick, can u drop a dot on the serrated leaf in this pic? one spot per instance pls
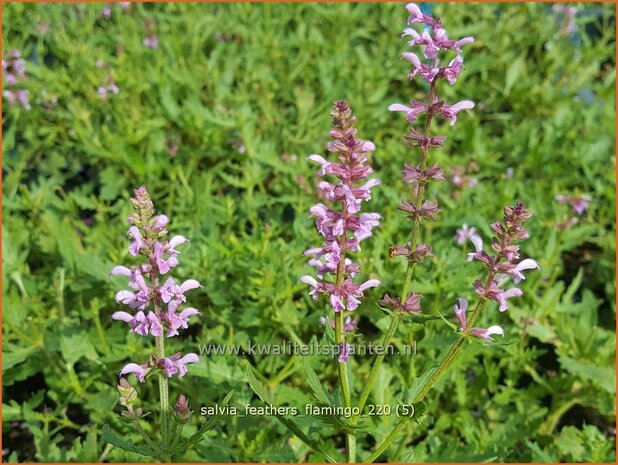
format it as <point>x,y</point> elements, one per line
<point>290,424</point>
<point>75,344</point>
<point>108,436</point>
<point>603,377</point>
<point>10,359</point>
<point>314,383</point>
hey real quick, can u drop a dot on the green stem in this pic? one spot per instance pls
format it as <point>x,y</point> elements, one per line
<point>450,355</point>
<point>94,306</point>
<point>105,453</point>
<point>342,367</point>
<point>286,371</point>
<point>177,435</point>
<point>351,444</point>
<point>387,442</point>
<point>163,390</point>
<point>141,431</point>
<point>373,374</point>
<point>399,449</point>
<point>164,394</point>
<point>436,374</point>
<point>407,281</point>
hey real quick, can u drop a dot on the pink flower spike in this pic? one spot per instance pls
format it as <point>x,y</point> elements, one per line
<point>107,11</point>
<point>151,42</point>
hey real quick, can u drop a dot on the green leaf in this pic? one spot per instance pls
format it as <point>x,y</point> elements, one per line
<point>314,383</point>
<point>10,359</point>
<point>75,344</point>
<point>289,423</point>
<point>603,377</point>
<point>515,70</point>
<point>418,384</point>
<point>218,371</point>
<point>108,436</point>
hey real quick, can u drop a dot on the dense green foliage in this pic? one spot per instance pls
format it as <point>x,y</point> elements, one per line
<point>244,91</point>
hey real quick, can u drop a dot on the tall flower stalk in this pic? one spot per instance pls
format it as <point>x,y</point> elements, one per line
<point>503,264</point>
<point>433,42</point>
<point>343,227</point>
<point>158,310</point>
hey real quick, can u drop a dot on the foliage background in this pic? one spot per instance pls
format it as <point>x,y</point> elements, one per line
<point>244,91</point>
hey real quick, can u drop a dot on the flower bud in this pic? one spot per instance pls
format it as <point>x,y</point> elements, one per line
<point>182,411</point>
<point>128,394</point>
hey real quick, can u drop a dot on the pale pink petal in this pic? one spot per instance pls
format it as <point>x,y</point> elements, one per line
<point>463,105</point>
<point>412,58</point>
<point>368,284</point>
<point>189,358</point>
<point>399,107</point>
<point>120,271</point>
<point>122,316</point>
<point>477,241</point>
<point>190,284</point>
<point>177,240</point>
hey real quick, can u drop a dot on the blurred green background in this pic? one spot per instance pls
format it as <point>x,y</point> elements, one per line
<point>217,121</point>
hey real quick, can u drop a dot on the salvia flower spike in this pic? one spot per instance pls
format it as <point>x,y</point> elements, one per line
<point>156,302</point>
<point>430,43</point>
<point>342,227</point>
